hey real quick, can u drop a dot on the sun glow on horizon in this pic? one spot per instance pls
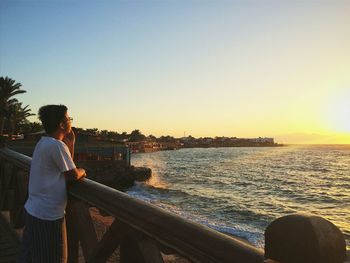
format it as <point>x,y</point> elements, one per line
<point>338,112</point>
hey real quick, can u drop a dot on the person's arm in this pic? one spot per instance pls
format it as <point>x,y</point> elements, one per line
<point>69,140</point>
<point>75,174</point>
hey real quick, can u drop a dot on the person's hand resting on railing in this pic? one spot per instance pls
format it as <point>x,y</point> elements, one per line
<point>75,174</point>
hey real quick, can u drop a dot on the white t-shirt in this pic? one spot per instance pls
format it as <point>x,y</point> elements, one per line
<point>47,184</point>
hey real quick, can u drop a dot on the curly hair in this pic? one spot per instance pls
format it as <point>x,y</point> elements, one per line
<point>51,116</point>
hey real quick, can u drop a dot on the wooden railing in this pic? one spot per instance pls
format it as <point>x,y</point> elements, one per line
<point>140,229</point>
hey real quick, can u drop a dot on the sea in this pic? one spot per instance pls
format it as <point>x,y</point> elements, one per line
<point>240,190</point>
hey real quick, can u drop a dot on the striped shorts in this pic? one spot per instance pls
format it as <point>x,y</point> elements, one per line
<point>43,241</point>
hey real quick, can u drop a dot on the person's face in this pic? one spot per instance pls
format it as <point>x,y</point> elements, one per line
<point>67,124</point>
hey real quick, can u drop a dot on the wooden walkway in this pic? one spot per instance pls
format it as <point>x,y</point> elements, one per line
<point>9,242</point>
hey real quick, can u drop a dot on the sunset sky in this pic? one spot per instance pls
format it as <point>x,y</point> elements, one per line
<point>203,68</point>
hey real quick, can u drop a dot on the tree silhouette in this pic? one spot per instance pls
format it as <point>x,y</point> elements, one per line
<point>136,136</point>
<point>8,89</point>
<point>17,115</point>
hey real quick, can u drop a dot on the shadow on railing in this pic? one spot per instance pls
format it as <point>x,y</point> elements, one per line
<point>140,229</point>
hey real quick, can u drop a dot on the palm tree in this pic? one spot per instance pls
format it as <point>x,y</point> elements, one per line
<point>8,89</point>
<point>17,115</point>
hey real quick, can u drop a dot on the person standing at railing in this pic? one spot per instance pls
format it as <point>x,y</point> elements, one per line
<point>44,237</point>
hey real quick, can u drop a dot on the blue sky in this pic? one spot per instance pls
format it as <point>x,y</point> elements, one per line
<point>233,68</point>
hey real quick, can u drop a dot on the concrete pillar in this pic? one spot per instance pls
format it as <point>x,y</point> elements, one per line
<point>304,239</point>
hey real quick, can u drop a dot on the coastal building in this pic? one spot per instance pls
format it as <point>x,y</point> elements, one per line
<point>264,140</point>
<point>153,146</point>
<point>88,147</point>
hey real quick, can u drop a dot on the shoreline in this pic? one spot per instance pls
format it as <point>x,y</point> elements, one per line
<point>211,147</point>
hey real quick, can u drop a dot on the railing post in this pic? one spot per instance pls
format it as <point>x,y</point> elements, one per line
<point>304,238</point>
<point>139,248</point>
<point>6,172</point>
<point>72,236</point>
<point>20,190</point>
<point>130,251</point>
<point>150,250</point>
<point>109,242</point>
<point>80,224</point>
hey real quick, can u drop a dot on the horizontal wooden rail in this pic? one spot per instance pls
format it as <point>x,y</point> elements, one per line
<point>194,241</point>
<point>150,224</point>
<point>18,159</point>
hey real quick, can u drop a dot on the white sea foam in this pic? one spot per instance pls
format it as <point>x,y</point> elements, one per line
<point>246,232</point>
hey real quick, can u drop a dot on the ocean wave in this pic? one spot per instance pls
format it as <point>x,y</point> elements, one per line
<point>241,190</point>
<point>149,192</point>
<point>246,232</point>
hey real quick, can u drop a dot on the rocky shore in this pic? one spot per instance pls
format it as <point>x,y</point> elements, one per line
<point>115,174</point>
